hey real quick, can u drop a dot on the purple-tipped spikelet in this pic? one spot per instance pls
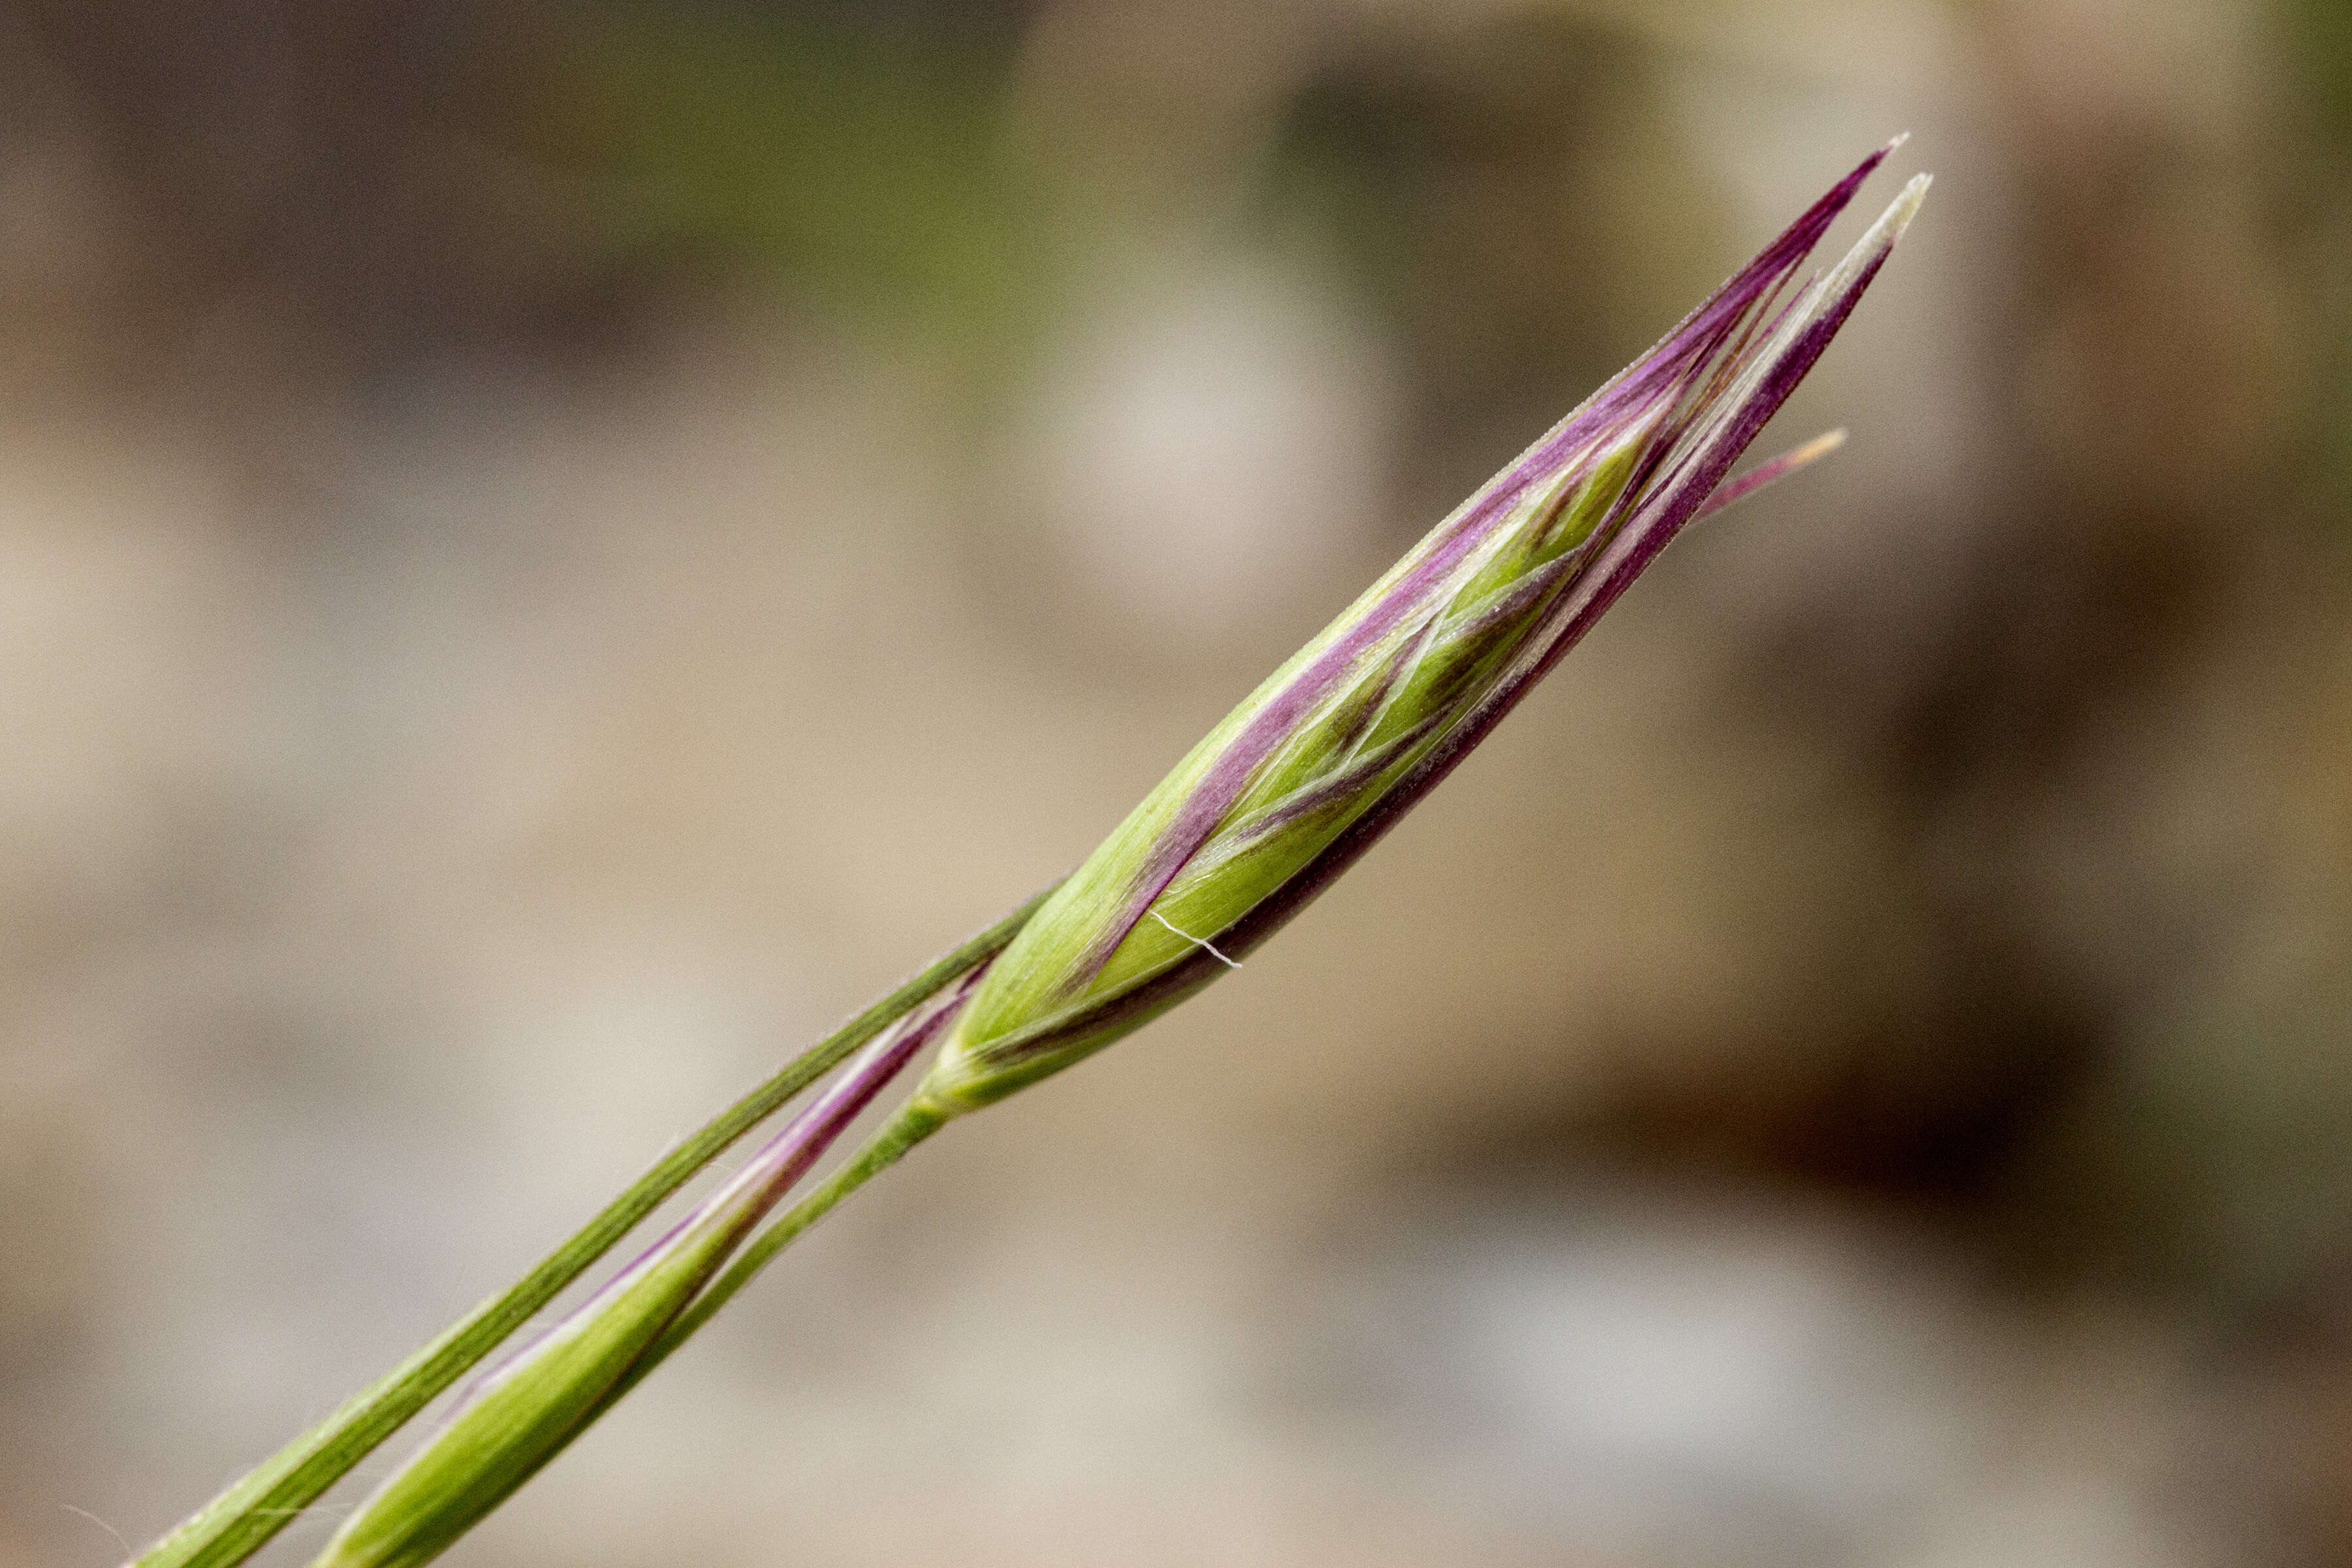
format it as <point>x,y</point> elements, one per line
<point>1319,762</point>
<point>1279,799</point>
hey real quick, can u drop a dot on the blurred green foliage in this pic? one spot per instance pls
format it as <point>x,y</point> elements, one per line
<point>2320,45</point>
<point>858,164</point>
<point>2318,39</point>
<point>1512,198</point>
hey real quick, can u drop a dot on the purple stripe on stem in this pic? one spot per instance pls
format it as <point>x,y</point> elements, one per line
<point>771,1173</point>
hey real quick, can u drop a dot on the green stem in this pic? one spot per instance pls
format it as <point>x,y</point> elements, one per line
<point>914,1122</point>
<point>241,1521</point>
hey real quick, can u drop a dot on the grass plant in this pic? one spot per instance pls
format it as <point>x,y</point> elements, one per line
<point>1280,798</point>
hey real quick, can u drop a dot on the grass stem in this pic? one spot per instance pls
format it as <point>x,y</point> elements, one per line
<point>242,1520</point>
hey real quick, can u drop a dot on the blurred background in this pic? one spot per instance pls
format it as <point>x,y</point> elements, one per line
<point>549,550</point>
